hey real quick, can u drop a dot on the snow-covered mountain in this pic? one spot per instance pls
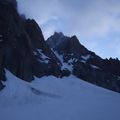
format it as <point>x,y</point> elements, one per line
<point>51,98</point>
<point>46,80</point>
<point>25,53</point>
<point>85,64</point>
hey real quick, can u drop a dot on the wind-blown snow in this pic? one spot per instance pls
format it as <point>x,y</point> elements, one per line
<point>50,98</point>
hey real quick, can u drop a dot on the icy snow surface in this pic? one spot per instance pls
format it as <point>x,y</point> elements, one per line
<point>50,98</point>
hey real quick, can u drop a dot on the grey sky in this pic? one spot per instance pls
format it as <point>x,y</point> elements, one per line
<point>95,22</point>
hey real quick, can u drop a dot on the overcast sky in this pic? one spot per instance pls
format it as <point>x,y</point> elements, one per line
<point>95,22</point>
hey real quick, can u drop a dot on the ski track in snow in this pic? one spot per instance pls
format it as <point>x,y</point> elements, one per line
<point>50,98</point>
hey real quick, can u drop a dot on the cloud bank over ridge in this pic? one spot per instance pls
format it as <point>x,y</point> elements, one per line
<point>96,23</point>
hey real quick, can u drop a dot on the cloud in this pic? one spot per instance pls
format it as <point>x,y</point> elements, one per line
<point>43,11</point>
<point>92,17</point>
<point>37,9</point>
<point>90,20</point>
<point>89,17</point>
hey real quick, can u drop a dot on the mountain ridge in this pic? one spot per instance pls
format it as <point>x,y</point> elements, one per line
<point>86,64</point>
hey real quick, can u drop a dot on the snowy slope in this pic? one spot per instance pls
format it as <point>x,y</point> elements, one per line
<point>51,98</point>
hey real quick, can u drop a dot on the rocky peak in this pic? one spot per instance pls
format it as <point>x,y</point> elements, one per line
<point>37,39</point>
<point>74,38</point>
<point>58,34</point>
<point>34,32</point>
<point>56,39</point>
<point>67,45</point>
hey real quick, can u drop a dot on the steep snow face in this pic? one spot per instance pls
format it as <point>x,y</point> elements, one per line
<point>50,98</point>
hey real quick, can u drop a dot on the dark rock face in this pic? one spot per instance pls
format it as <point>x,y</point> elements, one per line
<point>37,39</point>
<point>112,65</point>
<point>15,43</point>
<point>86,64</point>
<point>42,50</point>
<point>23,49</point>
